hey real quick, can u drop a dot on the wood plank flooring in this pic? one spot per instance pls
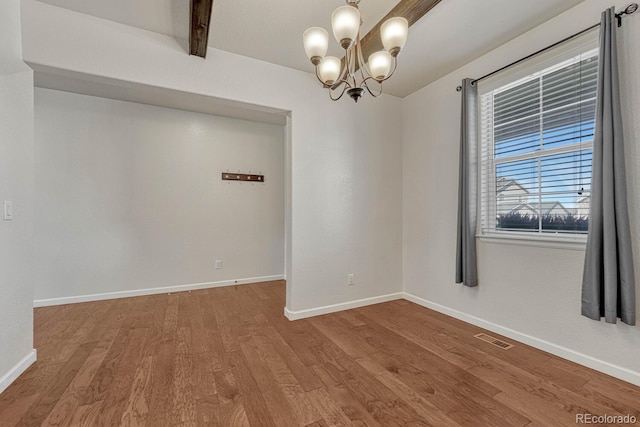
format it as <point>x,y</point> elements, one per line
<point>228,357</point>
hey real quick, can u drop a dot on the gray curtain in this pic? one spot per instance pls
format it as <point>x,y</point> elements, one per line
<point>608,288</point>
<point>466,268</point>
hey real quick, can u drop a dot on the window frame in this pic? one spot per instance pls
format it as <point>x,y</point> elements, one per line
<point>487,168</point>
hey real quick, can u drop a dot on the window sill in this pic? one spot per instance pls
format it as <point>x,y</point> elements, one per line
<point>576,243</point>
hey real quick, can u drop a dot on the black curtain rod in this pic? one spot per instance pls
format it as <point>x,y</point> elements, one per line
<point>632,8</point>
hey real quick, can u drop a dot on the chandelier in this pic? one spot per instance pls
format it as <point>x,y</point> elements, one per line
<point>354,76</point>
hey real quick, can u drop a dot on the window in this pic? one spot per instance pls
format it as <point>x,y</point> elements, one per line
<point>536,136</point>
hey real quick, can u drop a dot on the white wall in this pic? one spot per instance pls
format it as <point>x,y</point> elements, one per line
<point>16,184</point>
<point>129,196</point>
<point>348,178</point>
<point>532,290</point>
<point>346,160</point>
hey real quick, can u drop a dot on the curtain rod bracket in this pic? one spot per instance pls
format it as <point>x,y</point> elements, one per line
<point>632,8</point>
<point>473,83</point>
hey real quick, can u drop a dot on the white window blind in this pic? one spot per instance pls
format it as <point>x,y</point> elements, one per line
<point>536,131</point>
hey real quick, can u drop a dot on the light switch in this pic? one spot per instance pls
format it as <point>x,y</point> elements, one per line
<point>8,210</point>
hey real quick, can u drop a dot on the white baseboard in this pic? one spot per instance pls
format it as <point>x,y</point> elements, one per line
<point>624,374</point>
<point>152,291</point>
<point>301,314</point>
<point>17,370</point>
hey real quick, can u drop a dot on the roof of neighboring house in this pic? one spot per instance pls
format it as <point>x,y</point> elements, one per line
<point>502,184</point>
<point>583,199</point>
<point>545,207</point>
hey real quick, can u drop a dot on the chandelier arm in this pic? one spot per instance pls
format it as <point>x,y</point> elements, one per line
<point>354,61</point>
<point>344,89</point>
<point>344,75</point>
<point>357,53</point>
<point>366,85</point>
<point>364,68</point>
<point>342,79</point>
<point>362,76</point>
<point>395,66</point>
<point>335,84</point>
<point>318,77</point>
<point>340,82</point>
<point>348,58</point>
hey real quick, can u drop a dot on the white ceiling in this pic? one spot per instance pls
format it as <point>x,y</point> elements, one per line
<point>450,35</point>
<point>272,30</point>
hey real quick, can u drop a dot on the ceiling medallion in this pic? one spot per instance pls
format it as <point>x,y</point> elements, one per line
<point>354,76</point>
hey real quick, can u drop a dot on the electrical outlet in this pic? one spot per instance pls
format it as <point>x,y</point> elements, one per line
<point>8,210</point>
<point>218,264</point>
<point>351,279</point>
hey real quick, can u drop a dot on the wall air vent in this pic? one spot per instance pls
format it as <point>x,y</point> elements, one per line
<point>494,341</point>
<point>179,292</point>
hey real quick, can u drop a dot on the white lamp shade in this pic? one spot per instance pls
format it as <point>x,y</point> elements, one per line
<point>380,64</point>
<point>316,42</point>
<point>394,33</point>
<point>345,22</point>
<point>329,70</point>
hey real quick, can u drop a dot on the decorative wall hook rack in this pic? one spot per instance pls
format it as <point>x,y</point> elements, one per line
<point>229,176</point>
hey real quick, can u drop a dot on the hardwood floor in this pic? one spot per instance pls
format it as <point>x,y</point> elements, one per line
<point>228,357</point>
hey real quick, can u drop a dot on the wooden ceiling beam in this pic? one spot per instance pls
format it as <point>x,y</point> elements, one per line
<point>411,10</point>
<point>200,22</point>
